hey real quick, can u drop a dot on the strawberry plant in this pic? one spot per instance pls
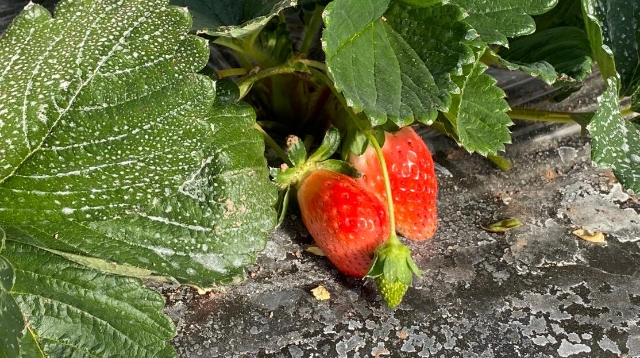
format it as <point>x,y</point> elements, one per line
<point>124,156</point>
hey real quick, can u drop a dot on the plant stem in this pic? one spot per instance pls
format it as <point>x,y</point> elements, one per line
<point>241,71</point>
<point>324,79</point>
<point>541,116</point>
<point>314,64</point>
<point>501,162</point>
<point>273,145</point>
<point>246,48</point>
<point>246,82</point>
<point>312,29</point>
<point>387,183</point>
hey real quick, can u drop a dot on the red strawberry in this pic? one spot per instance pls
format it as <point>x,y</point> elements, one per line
<point>347,222</point>
<point>412,178</point>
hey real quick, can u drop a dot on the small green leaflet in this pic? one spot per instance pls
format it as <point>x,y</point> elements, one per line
<point>72,310</point>
<point>478,114</point>
<point>566,49</point>
<point>619,22</point>
<point>232,18</point>
<point>615,140</point>
<point>495,20</point>
<point>393,61</point>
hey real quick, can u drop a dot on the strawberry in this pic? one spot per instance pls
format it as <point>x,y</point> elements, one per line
<point>391,292</point>
<point>347,222</point>
<point>412,179</point>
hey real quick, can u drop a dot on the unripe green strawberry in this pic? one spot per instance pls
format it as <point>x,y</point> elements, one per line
<point>391,292</point>
<point>347,222</point>
<point>393,270</point>
<point>412,177</point>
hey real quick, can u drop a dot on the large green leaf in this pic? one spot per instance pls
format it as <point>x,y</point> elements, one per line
<point>478,114</point>
<point>12,324</point>
<point>116,150</point>
<point>495,20</point>
<point>72,311</point>
<point>233,18</point>
<point>615,140</point>
<point>619,24</point>
<point>601,51</point>
<point>565,13</point>
<point>395,62</point>
<point>567,49</point>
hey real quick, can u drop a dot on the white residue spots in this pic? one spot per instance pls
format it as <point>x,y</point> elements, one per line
<point>617,194</point>
<point>68,211</point>
<point>64,85</point>
<point>567,154</point>
<point>163,251</point>
<point>608,345</point>
<point>568,349</point>
<point>176,223</point>
<point>213,262</point>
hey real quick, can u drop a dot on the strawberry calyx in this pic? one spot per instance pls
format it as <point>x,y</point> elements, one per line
<point>299,164</point>
<point>392,270</point>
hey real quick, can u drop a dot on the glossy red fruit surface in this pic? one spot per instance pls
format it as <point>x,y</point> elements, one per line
<point>347,222</point>
<point>413,181</point>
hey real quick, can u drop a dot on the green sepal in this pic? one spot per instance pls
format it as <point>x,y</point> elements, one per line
<point>339,166</point>
<point>393,261</point>
<point>283,203</point>
<point>284,177</point>
<point>296,151</point>
<point>329,145</point>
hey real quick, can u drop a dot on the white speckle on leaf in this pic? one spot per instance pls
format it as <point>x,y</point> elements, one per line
<point>213,262</point>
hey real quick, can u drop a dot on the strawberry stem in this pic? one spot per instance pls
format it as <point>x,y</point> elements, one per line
<point>387,185</point>
<point>273,145</point>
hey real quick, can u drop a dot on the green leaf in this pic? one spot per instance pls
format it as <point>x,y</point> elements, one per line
<point>72,311</point>
<point>567,49</point>
<point>395,62</point>
<point>496,20</point>
<point>12,326</point>
<point>478,115</point>
<point>114,149</point>
<point>602,53</point>
<point>233,18</point>
<point>566,13</point>
<point>615,140</point>
<point>420,3</point>
<point>619,23</point>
